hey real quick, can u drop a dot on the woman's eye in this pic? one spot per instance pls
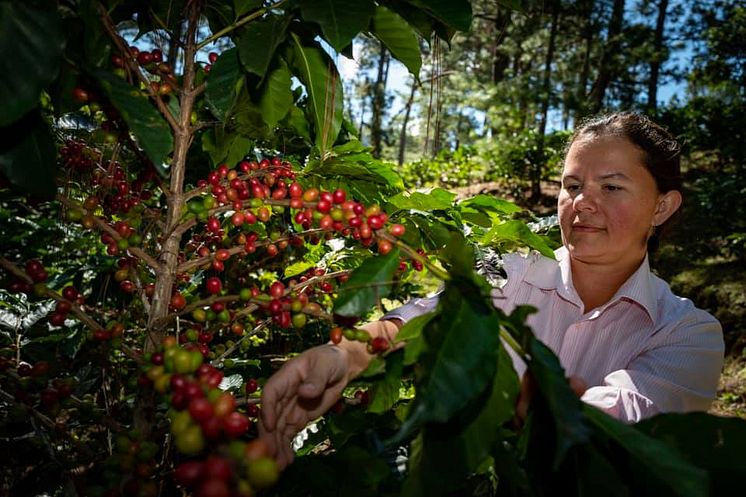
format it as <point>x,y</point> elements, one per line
<point>572,188</point>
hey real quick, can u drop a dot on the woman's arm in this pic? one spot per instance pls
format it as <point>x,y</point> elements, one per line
<point>679,375</point>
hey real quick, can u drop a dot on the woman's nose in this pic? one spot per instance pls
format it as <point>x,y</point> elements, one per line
<point>584,201</point>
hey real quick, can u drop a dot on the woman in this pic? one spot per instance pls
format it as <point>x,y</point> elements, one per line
<point>614,325</point>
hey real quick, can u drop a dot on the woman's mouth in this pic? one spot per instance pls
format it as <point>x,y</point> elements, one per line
<point>586,228</point>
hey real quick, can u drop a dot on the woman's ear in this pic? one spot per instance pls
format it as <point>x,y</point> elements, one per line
<point>668,203</point>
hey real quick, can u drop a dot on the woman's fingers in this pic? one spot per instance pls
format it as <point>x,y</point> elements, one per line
<point>578,385</point>
<point>526,394</point>
<point>528,386</point>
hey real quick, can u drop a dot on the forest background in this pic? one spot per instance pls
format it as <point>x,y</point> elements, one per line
<point>491,113</point>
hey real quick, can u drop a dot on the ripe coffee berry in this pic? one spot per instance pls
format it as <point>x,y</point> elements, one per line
<point>236,424</point>
<point>335,335</point>
<point>339,196</point>
<point>214,285</point>
<point>397,229</point>
<point>251,386</point>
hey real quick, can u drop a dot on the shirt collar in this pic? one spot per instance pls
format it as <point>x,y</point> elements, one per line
<point>556,275</point>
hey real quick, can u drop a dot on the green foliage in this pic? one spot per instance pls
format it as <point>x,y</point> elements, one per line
<point>448,169</point>
<point>314,68</point>
<point>369,283</point>
<point>340,21</point>
<point>30,70</point>
<point>223,83</point>
<point>398,37</point>
<point>25,151</point>
<point>150,129</point>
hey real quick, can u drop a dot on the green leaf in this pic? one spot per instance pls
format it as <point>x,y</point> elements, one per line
<point>296,121</point>
<point>489,203</point>
<point>396,34</point>
<point>411,332</point>
<point>241,7</point>
<point>97,45</point>
<point>712,443</point>
<point>222,83</point>
<point>516,232</point>
<point>354,162</point>
<point>462,347</point>
<point>319,75</point>
<point>31,43</point>
<point>462,446</point>
<point>277,98</point>
<point>299,267</point>
<point>225,147</point>
<point>479,437</point>
<point>340,20</point>
<point>152,133</point>
<point>432,231</point>
<point>660,462</point>
<point>219,13</point>
<point>248,117</point>
<point>369,283</point>
<point>453,13</point>
<point>258,42</point>
<point>27,155</point>
<point>385,392</point>
<point>435,199</point>
<point>415,17</point>
<point>564,405</point>
<point>412,329</point>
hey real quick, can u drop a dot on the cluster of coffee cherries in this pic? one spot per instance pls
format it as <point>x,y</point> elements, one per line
<point>255,190</point>
<point>375,345</point>
<point>152,61</point>
<point>212,57</point>
<point>117,193</point>
<point>62,308</point>
<point>206,420</point>
<point>31,385</point>
<point>129,470</point>
<point>76,155</point>
<point>38,274</point>
<point>128,237</point>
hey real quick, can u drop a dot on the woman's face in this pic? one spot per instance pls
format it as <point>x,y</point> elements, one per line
<point>608,202</point>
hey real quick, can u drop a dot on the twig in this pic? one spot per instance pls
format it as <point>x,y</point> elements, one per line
<point>195,263</point>
<point>132,65</point>
<point>439,273</point>
<point>250,17</point>
<point>103,226</point>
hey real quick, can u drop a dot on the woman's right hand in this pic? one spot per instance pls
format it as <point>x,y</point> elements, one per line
<point>301,391</point>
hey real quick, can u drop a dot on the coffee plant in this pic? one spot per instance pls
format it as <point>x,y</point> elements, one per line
<point>185,207</point>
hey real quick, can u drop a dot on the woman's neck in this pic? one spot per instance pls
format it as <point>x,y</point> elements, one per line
<point>596,284</point>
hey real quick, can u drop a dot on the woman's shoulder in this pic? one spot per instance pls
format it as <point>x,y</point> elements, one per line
<point>531,267</point>
<point>681,312</point>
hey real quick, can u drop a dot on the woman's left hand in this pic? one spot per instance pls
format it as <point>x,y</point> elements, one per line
<point>528,387</point>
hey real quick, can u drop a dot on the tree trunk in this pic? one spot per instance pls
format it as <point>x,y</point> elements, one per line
<point>606,69</point>
<point>405,123</point>
<point>655,63</point>
<point>588,32</point>
<point>379,102</point>
<point>546,94</point>
<point>500,61</point>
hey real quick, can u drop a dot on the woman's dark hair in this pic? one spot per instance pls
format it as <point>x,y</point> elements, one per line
<point>661,151</point>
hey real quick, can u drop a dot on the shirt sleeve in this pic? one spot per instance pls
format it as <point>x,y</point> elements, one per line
<point>679,375</point>
<point>413,308</point>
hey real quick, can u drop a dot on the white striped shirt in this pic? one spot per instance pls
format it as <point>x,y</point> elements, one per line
<point>644,352</point>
